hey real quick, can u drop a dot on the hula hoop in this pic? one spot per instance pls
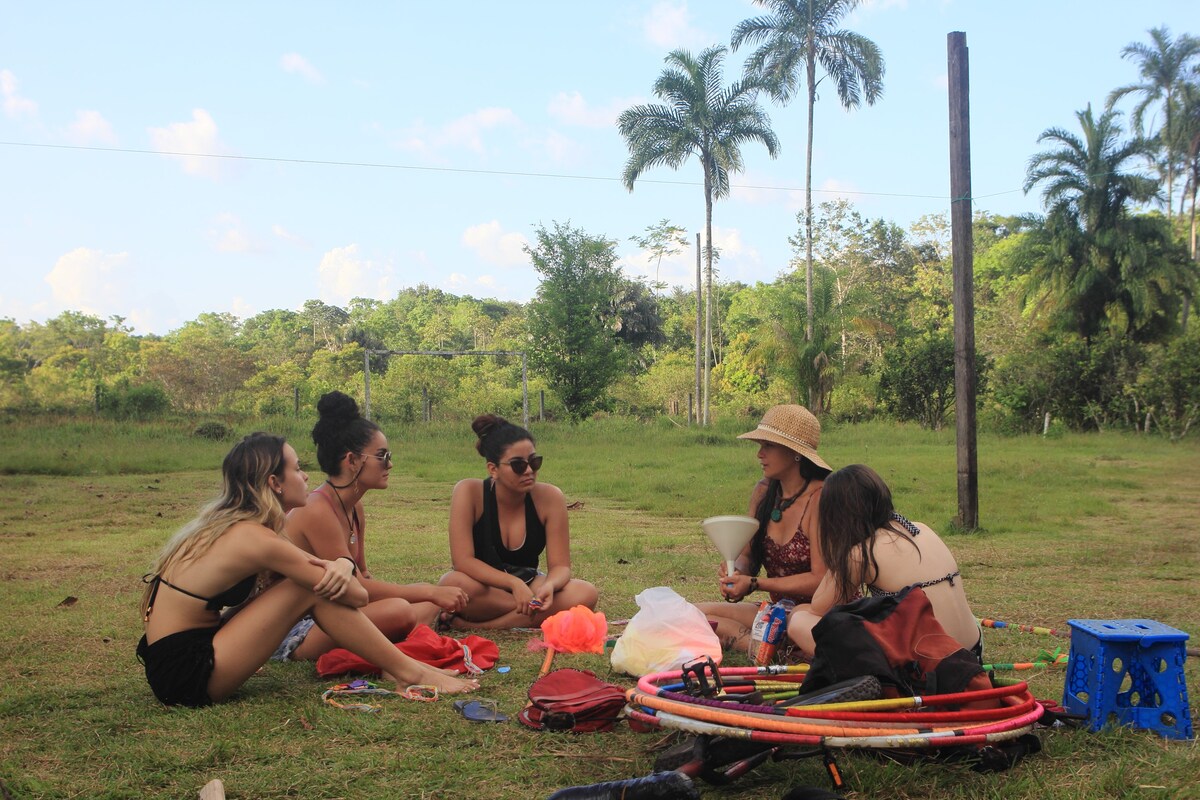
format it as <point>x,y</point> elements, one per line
<point>1010,712</point>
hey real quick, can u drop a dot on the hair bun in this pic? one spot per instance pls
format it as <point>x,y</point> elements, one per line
<point>337,407</point>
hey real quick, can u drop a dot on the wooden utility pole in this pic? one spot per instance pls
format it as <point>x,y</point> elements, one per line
<point>699,332</point>
<point>964,281</point>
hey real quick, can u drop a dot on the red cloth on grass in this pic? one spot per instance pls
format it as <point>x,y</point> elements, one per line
<point>423,645</point>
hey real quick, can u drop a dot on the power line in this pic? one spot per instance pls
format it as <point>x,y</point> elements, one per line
<point>464,171</point>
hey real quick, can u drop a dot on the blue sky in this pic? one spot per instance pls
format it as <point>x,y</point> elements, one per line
<point>374,146</point>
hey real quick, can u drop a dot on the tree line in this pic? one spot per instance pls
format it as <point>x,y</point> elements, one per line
<point>1082,313</point>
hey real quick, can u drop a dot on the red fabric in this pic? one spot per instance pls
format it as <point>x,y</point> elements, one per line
<point>423,645</point>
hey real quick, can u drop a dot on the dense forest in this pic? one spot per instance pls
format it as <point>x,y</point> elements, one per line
<point>1081,312</point>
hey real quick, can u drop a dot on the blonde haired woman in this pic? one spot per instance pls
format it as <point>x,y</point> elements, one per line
<point>192,655</point>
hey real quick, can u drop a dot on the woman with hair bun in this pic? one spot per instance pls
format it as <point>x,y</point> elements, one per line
<point>193,654</point>
<point>353,452</point>
<point>499,527</point>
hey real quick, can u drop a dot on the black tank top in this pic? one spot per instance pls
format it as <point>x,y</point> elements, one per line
<point>489,544</point>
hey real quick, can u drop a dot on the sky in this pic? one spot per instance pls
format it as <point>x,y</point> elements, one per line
<point>163,160</point>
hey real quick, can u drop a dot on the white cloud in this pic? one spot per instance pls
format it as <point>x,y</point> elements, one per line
<point>343,275</point>
<point>89,127</point>
<point>15,105</point>
<point>298,64</point>
<point>89,280</point>
<point>288,236</point>
<point>668,25</point>
<point>466,132</point>
<point>571,108</point>
<point>199,136</point>
<point>561,149</point>
<point>492,245</point>
<point>242,309</point>
<point>228,235</point>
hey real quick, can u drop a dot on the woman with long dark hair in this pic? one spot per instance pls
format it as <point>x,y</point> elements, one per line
<point>193,655</point>
<point>868,545</point>
<point>499,528</point>
<point>353,453</point>
<point>786,503</point>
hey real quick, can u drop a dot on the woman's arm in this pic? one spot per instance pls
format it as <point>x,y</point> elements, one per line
<point>465,507</point>
<point>262,548</point>
<point>552,505</point>
<point>316,529</point>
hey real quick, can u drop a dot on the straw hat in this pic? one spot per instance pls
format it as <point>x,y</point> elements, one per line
<point>792,426</point>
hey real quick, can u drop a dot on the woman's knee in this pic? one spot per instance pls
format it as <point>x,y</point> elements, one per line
<point>460,580</point>
<point>394,616</point>
<point>582,593</point>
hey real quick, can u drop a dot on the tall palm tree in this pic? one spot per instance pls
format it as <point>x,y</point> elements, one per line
<point>699,117</point>
<point>1164,66</point>
<point>1189,130</point>
<point>805,33</point>
<point>1087,190</point>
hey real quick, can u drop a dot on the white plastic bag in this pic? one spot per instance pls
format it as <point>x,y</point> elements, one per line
<point>665,633</point>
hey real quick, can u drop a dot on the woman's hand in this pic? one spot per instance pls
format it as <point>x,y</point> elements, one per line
<point>337,577</point>
<point>449,598</point>
<point>543,597</point>
<point>523,600</point>
<point>734,587</point>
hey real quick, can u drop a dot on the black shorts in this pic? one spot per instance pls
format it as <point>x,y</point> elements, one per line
<point>179,665</point>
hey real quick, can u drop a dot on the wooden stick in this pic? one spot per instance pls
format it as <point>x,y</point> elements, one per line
<point>546,664</point>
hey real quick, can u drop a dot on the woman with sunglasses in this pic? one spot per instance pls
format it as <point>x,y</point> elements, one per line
<point>195,655</point>
<point>499,527</point>
<point>353,452</point>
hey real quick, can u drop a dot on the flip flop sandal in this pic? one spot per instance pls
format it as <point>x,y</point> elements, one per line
<point>480,711</point>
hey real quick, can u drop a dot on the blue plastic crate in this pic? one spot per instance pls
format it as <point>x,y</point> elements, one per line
<point>1128,672</point>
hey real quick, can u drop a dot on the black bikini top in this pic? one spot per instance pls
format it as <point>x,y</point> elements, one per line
<point>913,530</point>
<point>234,596</point>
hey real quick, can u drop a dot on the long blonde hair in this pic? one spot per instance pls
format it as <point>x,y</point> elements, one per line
<point>246,497</point>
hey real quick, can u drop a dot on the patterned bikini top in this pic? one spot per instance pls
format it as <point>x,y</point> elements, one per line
<point>914,531</point>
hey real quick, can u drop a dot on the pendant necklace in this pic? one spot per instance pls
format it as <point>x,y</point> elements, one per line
<point>349,519</point>
<point>784,503</point>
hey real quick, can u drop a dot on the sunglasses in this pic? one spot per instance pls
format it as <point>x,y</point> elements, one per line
<point>386,458</point>
<point>519,465</point>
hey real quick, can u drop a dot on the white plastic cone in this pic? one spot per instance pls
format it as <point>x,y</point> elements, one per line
<point>730,533</point>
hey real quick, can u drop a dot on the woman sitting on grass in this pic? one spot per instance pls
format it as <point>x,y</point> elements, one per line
<point>193,656</point>
<point>785,502</point>
<point>499,527</point>
<point>866,542</point>
<point>353,452</point>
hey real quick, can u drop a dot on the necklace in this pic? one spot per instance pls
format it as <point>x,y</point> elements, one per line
<point>349,519</point>
<point>784,503</point>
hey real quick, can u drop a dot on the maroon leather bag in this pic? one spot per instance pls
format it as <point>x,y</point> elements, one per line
<point>572,700</point>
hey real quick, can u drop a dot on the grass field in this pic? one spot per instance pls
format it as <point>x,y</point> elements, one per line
<point>1099,526</point>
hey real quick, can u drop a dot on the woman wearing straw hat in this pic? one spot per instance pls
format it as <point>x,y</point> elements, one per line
<point>786,503</point>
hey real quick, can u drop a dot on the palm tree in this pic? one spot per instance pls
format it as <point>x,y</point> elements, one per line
<point>1189,129</point>
<point>1164,66</point>
<point>699,117</point>
<point>1086,194</point>
<point>805,32</point>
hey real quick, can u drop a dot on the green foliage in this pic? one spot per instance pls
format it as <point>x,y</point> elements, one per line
<point>124,400</point>
<point>574,344</point>
<point>1081,385</point>
<point>216,431</point>
<point>916,381</point>
<point>1169,387</point>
